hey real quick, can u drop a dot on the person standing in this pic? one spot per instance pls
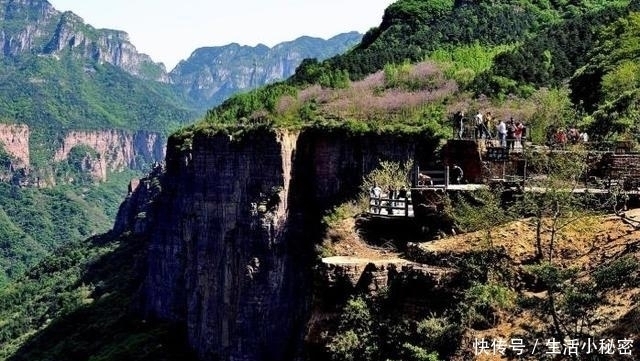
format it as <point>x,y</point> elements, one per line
<point>502,133</point>
<point>391,195</point>
<point>488,125</point>
<point>402,193</point>
<point>511,134</point>
<point>479,123</point>
<point>518,133</point>
<point>458,123</point>
<point>376,193</point>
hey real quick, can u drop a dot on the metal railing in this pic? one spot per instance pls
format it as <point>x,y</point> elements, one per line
<point>398,207</point>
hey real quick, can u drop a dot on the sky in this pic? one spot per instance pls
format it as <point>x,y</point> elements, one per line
<point>170,31</point>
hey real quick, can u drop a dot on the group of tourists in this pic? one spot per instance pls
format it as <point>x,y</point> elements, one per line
<point>390,193</point>
<point>484,126</point>
<point>560,137</point>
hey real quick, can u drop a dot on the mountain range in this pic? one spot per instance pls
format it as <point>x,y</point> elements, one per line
<point>255,239</point>
<point>212,74</point>
<point>59,74</point>
<point>79,104</point>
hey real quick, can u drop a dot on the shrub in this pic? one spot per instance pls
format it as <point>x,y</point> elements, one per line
<point>388,173</point>
<point>344,346</point>
<point>417,353</point>
<point>617,273</point>
<point>484,303</point>
<point>355,339</point>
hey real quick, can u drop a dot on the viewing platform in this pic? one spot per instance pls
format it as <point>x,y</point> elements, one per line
<point>469,165</point>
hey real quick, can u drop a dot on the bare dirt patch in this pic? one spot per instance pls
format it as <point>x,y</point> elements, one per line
<point>344,240</point>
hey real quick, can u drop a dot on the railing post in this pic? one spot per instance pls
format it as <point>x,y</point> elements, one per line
<point>406,207</point>
<point>446,177</point>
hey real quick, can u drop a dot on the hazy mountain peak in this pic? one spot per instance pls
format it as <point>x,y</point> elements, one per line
<point>35,27</point>
<point>212,74</point>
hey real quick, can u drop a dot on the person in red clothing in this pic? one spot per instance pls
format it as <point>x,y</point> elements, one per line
<point>518,132</point>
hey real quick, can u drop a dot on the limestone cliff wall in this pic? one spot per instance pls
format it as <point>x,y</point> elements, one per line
<point>221,257</point>
<point>231,233</point>
<point>14,138</point>
<point>36,27</point>
<point>117,149</point>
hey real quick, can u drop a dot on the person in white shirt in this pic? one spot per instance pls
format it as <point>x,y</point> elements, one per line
<point>376,193</point>
<point>479,125</point>
<point>502,133</point>
<point>584,137</point>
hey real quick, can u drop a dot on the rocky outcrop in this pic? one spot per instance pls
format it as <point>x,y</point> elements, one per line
<point>116,149</point>
<point>231,233</point>
<point>35,27</point>
<point>212,74</point>
<point>31,21</point>
<point>14,139</point>
<point>347,275</point>
<point>103,46</point>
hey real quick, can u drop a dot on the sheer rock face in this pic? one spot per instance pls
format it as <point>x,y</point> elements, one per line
<point>31,20</point>
<point>35,27</point>
<point>14,138</point>
<point>116,149</point>
<point>232,232</point>
<point>222,257</point>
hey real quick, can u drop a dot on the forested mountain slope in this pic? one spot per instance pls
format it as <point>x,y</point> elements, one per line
<point>59,74</point>
<point>411,29</point>
<point>76,104</point>
<point>258,190</point>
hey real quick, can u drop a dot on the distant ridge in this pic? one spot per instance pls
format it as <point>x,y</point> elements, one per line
<point>212,74</point>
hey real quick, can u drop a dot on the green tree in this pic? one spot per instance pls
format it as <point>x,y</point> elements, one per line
<point>550,196</point>
<point>356,339</point>
<point>482,211</point>
<point>607,85</point>
<point>553,110</point>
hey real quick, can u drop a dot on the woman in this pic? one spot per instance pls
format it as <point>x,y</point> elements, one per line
<point>518,132</point>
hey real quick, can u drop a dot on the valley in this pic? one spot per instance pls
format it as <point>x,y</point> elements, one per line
<point>146,216</point>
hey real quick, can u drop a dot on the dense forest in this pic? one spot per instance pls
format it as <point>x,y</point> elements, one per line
<point>35,222</point>
<point>53,95</point>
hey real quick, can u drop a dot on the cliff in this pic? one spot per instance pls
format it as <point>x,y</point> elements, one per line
<point>14,139</point>
<point>212,74</point>
<point>59,73</point>
<point>103,46</point>
<point>34,26</point>
<point>115,150</point>
<point>231,234</point>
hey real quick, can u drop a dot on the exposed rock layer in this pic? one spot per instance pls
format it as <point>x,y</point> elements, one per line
<point>14,138</point>
<point>34,26</point>
<point>117,149</point>
<point>232,233</point>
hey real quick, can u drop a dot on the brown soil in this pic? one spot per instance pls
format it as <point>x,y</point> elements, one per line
<point>586,244</point>
<point>344,241</point>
